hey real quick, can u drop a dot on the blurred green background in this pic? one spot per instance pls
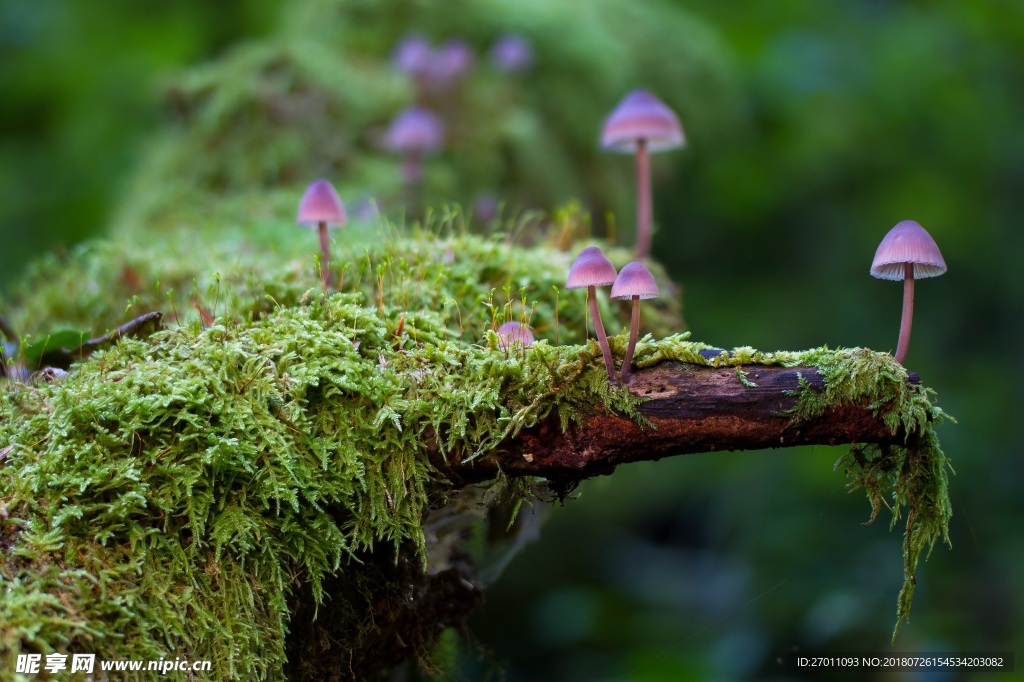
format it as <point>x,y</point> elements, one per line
<point>813,128</point>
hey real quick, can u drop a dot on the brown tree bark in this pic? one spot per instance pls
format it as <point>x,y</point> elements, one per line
<point>690,408</point>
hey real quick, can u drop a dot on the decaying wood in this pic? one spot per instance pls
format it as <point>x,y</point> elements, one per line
<point>690,409</point>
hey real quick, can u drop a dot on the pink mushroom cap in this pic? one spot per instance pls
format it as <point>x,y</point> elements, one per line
<point>321,204</point>
<point>635,280</point>
<point>512,53</point>
<point>590,269</point>
<point>512,333</point>
<point>412,55</point>
<point>415,130</point>
<point>451,61</point>
<point>908,242</point>
<point>642,116</point>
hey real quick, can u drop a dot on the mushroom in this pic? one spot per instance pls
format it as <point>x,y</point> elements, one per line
<point>321,206</point>
<point>642,123</point>
<point>413,134</point>
<point>907,252</point>
<point>512,53</point>
<point>513,333</point>
<point>486,208</point>
<point>449,63</point>
<point>592,269</point>
<point>412,55</point>
<point>635,282</point>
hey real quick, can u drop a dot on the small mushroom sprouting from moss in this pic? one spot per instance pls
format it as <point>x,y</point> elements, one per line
<point>321,206</point>
<point>907,252</point>
<point>590,270</point>
<point>514,334</point>
<point>642,123</point>
<point>635,282</point>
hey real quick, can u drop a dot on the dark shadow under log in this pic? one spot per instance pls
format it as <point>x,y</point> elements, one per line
<point>690,408</point>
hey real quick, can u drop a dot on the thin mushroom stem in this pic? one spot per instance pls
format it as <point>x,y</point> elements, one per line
<point>412,169</point>
<point>412,175</point>
<point>643,200</point>
<point>602,338</point>
<point>908,312</point>
<point>325,255</point>
<point>634,330</point>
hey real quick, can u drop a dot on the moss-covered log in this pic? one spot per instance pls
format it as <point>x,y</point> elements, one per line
<point>688,409</point>
<point>288,459</point>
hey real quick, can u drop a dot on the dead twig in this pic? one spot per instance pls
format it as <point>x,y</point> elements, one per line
<point>61,358</point>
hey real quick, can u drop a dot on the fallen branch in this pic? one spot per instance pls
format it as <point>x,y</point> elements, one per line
<point>61,358</point>
<point>690,408</point>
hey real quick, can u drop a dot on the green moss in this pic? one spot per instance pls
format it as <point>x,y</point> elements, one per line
<point>170,494</point>
<point>166,497</point>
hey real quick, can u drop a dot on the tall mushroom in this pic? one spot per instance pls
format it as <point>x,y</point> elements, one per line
<point>413,56</point>
<point>642,123</point>
<point>907,252</point>
<point>321,206</point>
<point>635,282</point>
<point>413,134</point>
<point>592,269</point>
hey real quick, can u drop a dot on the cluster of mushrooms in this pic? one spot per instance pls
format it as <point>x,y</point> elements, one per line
<point>592,269</point>
<point>417,132</point>
<point>640,124</point>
